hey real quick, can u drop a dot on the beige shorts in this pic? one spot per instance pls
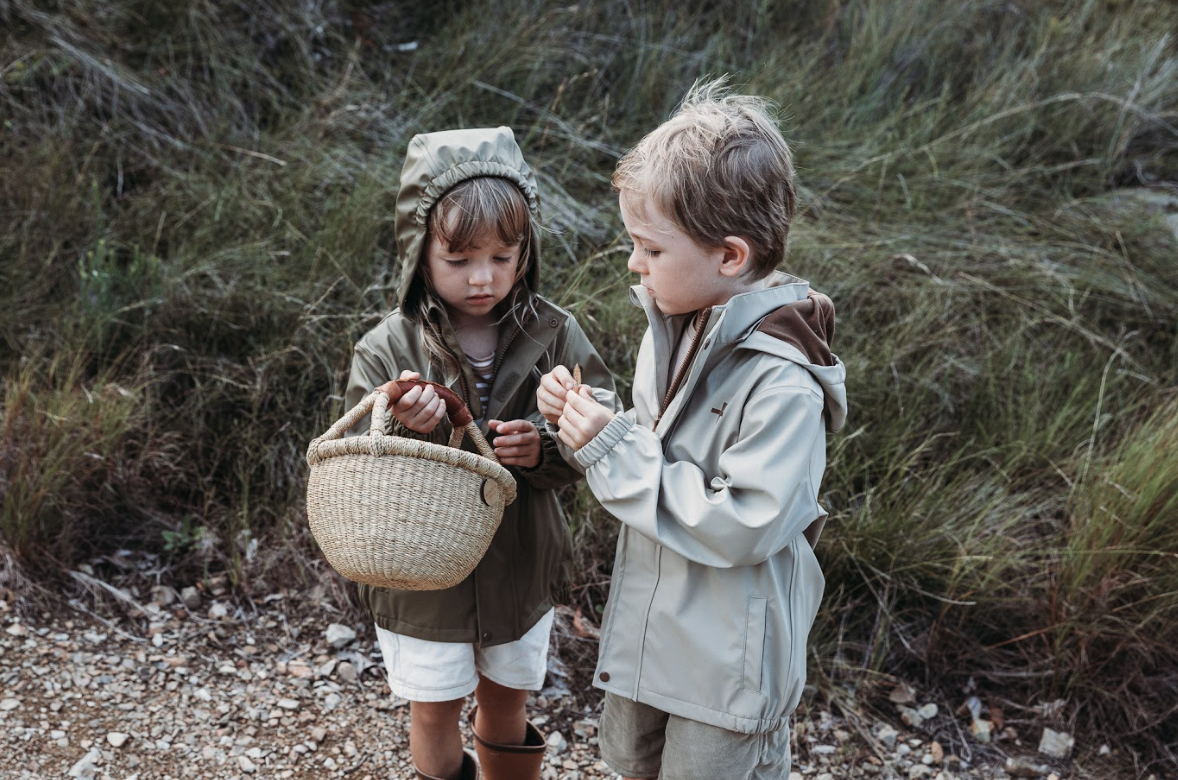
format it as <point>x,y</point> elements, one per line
<point>420,670</point>
<point>638,740</point>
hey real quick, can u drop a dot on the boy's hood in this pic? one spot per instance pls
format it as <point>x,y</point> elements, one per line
<point>435,162</point>
<point>787,319</point>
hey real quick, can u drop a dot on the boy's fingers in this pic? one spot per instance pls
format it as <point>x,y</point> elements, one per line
<point>562,376</point>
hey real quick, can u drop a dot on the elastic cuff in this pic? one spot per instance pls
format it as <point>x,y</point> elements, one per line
<point>604,441</point>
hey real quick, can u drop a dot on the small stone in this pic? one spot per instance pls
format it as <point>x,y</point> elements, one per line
<point>557,742</point>
<point>981,730</point>
<point>346,671</point>
<point>920,770</point>
<point>116,738</point>
<point>1105,750</point>
<point>928,711</point>
<point>162,595</point>
<point>299,669</point>
<point>191,598</point>
<point>1057,744</point>
<point>1017,768</point>
<point>246,765</point>
<point>937,752</point>
<point>910,716</point>
<point>16,629</point>
<point>288,704</point>
<point>9,704</point>
<point>318,734</point>
<point>1053,776</point>
<point>823,750</point>
<point>888,735</point>
<point>339,636</point>
<point>218,611</point>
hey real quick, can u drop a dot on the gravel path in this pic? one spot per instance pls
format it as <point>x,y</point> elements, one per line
<point>215,689</point>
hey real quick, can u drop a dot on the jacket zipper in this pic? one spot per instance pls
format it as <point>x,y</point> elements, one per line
<point>701,323</point>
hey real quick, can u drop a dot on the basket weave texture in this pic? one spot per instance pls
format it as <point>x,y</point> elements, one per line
<point>401,513</point>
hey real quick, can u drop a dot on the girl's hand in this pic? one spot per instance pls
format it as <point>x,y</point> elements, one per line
<point>583,418</point>
<point>550,395</point>
<point>517,443</point>
<point>421,409</point>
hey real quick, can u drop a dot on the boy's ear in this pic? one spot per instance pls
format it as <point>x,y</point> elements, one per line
<point>737,254</point>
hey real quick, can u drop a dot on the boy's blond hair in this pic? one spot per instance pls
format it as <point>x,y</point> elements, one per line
<point>718,167</point>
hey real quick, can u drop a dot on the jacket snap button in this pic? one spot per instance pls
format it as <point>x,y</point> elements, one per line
<point>552,323</point>
<point>604,676</point>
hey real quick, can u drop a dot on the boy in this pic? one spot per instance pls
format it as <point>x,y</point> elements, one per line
<point>715,471</point>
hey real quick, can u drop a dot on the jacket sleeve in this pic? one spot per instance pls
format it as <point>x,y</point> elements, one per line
<point>370,371</point>
<point>763,495</point>
<point>557,465</point>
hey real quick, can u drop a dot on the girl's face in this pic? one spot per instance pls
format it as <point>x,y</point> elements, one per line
<point>473,282</point>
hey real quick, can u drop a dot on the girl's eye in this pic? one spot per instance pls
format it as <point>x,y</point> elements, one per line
<point>506,259</point>
<point>456,263</point>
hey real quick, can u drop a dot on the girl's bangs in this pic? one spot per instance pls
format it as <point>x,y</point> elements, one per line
<point>481,208</point>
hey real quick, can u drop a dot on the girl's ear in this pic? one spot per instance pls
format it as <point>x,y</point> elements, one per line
<point>737,254</point>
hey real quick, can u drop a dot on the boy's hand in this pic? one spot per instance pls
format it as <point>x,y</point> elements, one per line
<point>550,395</point>
<point>583,418</point>
<point>517,443</point>
<point>420,410</point>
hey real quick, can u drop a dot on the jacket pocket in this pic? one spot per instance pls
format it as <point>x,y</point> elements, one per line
<point>754,642</point>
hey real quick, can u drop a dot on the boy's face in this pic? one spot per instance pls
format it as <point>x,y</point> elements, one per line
<point>681,275</point>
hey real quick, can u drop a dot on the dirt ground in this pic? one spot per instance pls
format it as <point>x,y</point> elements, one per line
<point>226,688</point>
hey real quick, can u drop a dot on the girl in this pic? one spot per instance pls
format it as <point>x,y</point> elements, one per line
<point>470,318</point>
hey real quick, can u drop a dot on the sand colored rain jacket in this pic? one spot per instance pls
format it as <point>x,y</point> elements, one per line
<point>715,582</point>
<point>528,564</point>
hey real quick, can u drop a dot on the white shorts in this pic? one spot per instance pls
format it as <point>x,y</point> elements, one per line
<point>420,670</point>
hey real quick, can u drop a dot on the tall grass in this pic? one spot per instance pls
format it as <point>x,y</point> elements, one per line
<point>197,225</point>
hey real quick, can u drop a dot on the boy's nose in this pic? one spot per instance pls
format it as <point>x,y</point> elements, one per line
<point>633,264</point>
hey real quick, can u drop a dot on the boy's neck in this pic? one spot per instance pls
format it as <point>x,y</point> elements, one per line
<point>738,287</point>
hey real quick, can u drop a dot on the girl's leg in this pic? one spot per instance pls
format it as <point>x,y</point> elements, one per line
<point>501,715</point>
<point>435,743</point>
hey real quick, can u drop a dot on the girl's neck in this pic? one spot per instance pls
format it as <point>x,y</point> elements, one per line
<point>478,336</point>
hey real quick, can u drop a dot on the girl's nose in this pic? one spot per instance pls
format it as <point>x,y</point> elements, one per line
<point>480,276</point>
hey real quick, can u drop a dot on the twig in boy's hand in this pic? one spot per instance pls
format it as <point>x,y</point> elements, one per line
<point>577,374</point>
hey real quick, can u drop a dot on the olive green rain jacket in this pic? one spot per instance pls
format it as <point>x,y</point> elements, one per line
<point>528,565</point>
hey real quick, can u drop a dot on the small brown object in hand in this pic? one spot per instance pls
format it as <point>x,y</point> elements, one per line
<point>577,374</point>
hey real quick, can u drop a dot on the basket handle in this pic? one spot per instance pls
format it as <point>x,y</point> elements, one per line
<point>455,409</point>
<point>377,403</point>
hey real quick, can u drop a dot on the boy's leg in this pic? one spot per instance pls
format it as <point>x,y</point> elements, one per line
<point>631,737</point>
<point>697,751</point>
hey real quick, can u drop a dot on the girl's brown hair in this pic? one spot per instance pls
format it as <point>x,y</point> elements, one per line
<point>470,212</point>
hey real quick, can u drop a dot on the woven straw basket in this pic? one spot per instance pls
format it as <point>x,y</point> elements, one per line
<point>402,513</point>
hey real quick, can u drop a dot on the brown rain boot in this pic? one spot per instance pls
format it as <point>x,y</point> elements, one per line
<point>510,762</point>
<point>470,769</point>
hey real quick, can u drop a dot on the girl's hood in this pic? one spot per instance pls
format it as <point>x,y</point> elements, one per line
<point>435,162</point>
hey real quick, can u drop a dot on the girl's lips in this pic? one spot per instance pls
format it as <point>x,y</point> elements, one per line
<point>480,299</point>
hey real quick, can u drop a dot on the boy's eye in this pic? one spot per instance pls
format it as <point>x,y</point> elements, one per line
<point>652,252</point>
